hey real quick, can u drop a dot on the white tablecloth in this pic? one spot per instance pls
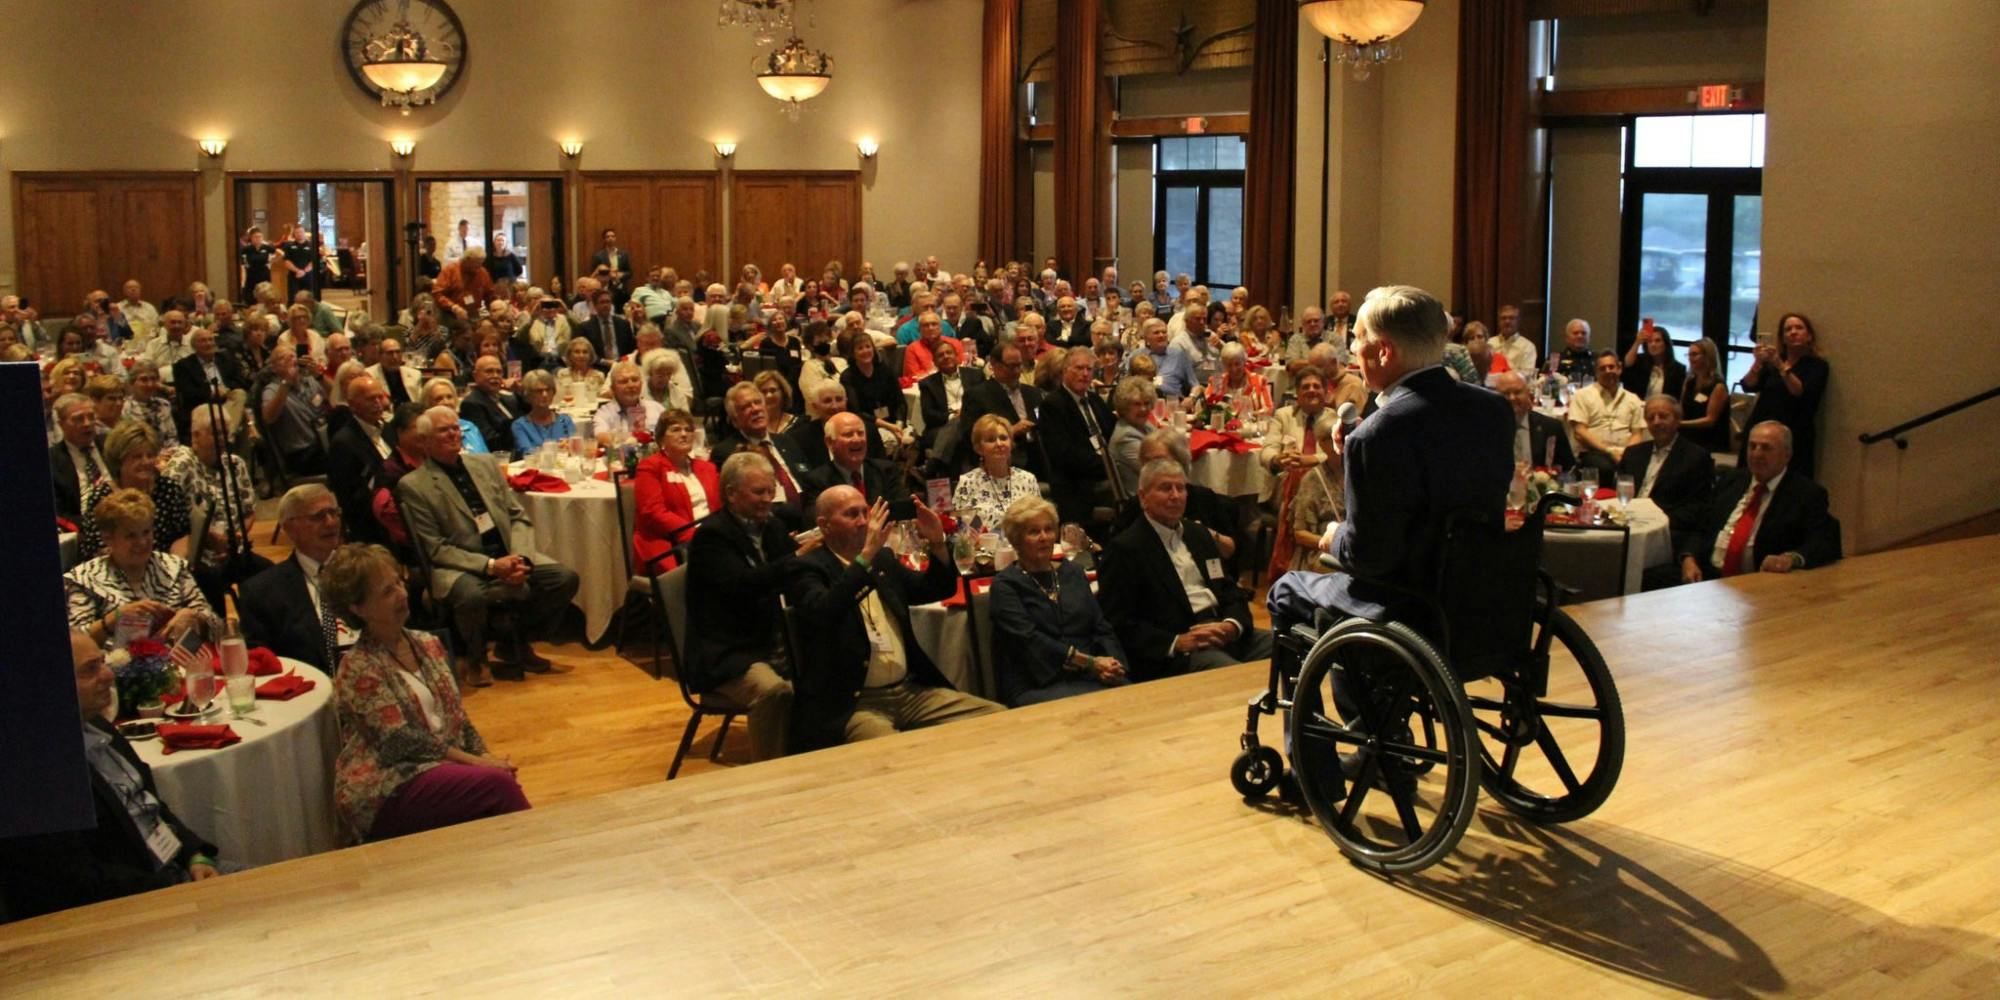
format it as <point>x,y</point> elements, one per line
<point>1232,474</point>
<point>1586,558</point>
<point>946,637</point>
<point>913,404</point>
<point>270,797</point>
<point>580,530</point>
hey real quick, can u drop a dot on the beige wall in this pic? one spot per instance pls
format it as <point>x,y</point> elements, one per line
<point>1419,128</point>
<point>646,84</point>
<point>1879,219</point>
<point>1587,166</point>
<point>1132,208</point>
<point>1724,45</point>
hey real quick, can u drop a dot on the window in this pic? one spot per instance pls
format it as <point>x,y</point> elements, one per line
<point>1693,220</point>
<point>521,212</point>
<point>1198,208</point>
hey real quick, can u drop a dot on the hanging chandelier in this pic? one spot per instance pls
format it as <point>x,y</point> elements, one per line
<point>399,62</point>
<point>767,19</point>
<point>794,74</point>
<point>1363,31</point>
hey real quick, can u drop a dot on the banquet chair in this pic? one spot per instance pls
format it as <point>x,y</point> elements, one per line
<point>283,480</point>
<point>640,599</point>
<point>670,590</point>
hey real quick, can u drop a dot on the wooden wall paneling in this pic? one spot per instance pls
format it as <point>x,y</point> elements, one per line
<point>832,220</point>
<point>688,223</point>
<point>541,248</point>
<point>78,232</point>
<point>350,214</point>
<point>59,245</point>
<point>766,220</point>
<point>623,202</point>
<point>158,241</point>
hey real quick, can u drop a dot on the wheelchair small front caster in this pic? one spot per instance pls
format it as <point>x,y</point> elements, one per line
<point>1256,772</point>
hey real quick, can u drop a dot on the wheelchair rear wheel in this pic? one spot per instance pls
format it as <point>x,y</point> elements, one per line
<point>1558,754</point>
<point>1403,721</point>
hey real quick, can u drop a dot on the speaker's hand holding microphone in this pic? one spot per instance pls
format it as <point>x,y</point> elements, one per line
<point>1349,417</point>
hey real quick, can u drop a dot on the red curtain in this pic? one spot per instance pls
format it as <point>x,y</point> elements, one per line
<point>1269,180</point>
<point>1078,149</point>
<point>999,108</point>
<point>1490,225</point>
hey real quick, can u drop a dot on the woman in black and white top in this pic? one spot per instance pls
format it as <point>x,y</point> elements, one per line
<point>132,579</point>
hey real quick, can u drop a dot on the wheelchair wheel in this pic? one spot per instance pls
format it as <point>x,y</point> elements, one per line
<point>1407,730</point>
<point>1552,758</point>
<point>1256,772</point>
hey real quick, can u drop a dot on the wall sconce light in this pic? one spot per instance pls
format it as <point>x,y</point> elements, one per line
<point>403,147</point>
<point>572,148</point>
<point>868,148</point>
<point>725,149</point>
<point>213,147</point>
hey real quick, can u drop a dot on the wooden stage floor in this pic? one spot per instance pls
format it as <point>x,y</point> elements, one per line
<point>1810,804</point>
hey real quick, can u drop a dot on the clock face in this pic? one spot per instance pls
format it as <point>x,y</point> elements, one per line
<point>434,20</point>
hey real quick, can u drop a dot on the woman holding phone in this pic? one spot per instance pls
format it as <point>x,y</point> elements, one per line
<point>1789,378</point>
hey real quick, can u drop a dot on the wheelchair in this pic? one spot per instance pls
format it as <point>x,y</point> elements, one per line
<point>1393,726</point>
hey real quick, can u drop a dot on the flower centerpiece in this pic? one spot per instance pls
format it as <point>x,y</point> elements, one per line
<point>144,673</point>
<point>1215,404</point>
<point>1536,484</point>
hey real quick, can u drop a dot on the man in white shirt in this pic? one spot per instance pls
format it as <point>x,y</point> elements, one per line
<point>1605,418</point>
<point>1340,323</point>
<point>657,299</point>
<point>460,242</point>
<point>1508,343</point>
<point>74,461</point>
<point>139,314</point>
<point>171,345</point>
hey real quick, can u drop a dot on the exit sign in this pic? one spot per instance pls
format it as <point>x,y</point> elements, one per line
<point>1713,96</point>
<point>1196,126</point>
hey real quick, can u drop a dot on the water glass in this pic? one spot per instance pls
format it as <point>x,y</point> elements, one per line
<point>1626,488</point>
<point>242,694</point>
<point>200,689</point>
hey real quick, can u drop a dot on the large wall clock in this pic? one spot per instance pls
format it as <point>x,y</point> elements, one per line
<point>434,20</point>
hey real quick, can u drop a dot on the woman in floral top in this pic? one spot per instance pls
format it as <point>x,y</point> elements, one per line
<point>985,493</point>
<point>409,758</point>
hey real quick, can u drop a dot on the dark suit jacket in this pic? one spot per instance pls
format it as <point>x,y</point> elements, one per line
<point>189,378</point>
<point>733,598</point>
<point>55,871</point>
<point>1033,634</point>
<point>936,406</point>
<point>990,396</point>
<point>882,479</point>
<point>621,328</point>
<point>497,427</point>
<point>825,594</point>
<point>1435,448</point>
<point>1797,520</point>
<point>69,496</point>
<point>1075,465</point>
<point>354,473</point>
<point>1636,377</point>
<point>1541,430</point>
<point>1145,602</point>
<point>790,512</point>
<point>1687,478</point>
<point>278,613</point>
<point>1075,333</point>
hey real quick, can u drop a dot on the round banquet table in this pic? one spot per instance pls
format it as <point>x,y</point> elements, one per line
<point>580,530</point>
<point>1233,474</point>
<point>270,797</point>
<point>913,406</point>
<point>946,637</point>
<point>1587,558</point>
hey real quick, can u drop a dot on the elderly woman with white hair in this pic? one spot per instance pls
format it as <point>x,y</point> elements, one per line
<point>578,381</point>
<point>439,392</point>
<point>1051,640</point>
<point>667,381</point>
<point>1236,378</point>
<point>628,412</point>
<point>542,423</point>
<point>1132,403</point>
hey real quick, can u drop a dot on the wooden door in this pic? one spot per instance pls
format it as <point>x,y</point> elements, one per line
<point>805,218</point>
<point>78,232</point>
<point>687,224</point>
<point>666,218</point>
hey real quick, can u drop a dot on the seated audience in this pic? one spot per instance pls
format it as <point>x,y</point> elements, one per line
<point>75,462</point>
<point>1575,361</point>
<point>132,456</point>
<point>1508,343</point>
<point>1236,378</point>
<point>1133,403</point>
<point>738,562</point>
<point>628,412</point>
<point>489,405</point>
<point>777,401</point>
<point>828,398</point>
<point>411,427</point>
<point>1650,367</point>
<point>941,398</point>
<point>1761,517</point>
<point>1606,419</point>
<point>1673,472</point>
<point>1320,500</point>
<point>1050,639</point>
<point>672,491</point>
<point>1165,589</point>
<point>920,356</point>
<point>1539,439</point>
<point>542,341</point>
<point>848,464</point>
<point>750,422</point>
<point>985,491</point>
<point>540,423</point>
<point>131,581</point>
<point>355,456</point>
<point>1076,437</point>
<point>863,675</point>
<point>222,503</point>
<point>210,375</point>
<point>409,757</point>
<point>874,392</point>
<point>283,609</point>
<point>1705,400</point>
<point>478,544</point>
<point>404,381</point>
<point>667,381</point>
<point>1294,453</point>
<point>136,843</point>
<point>1175,375</point>
<point>294,412</point>
<point>579,381</point>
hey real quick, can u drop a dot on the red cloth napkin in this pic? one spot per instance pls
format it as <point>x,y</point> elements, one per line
<point>957,600</point>
<point>179,736</point>
<point>264,663</point>
<point>1201,441</point>
<point>602,477</point>
<point>906,381</point>
<point>537,481</point>
<point>284,687</point>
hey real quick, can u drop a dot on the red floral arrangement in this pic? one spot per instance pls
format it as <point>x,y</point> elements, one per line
<point>643,437</point>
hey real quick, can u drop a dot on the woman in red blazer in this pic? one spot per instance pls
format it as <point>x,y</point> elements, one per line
<point>663,495</point>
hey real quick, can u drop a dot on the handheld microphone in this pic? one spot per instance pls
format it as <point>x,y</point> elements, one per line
<point>1349,419</point>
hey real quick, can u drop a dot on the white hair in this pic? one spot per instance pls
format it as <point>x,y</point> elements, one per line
<point>1408,317</point>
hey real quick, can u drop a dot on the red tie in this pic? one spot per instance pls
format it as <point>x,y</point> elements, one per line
<point>1739,539</point>
<point>784,475</point>
<point>859,485</point>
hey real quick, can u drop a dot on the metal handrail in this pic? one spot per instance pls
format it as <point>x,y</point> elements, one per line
<point>1897,431</point>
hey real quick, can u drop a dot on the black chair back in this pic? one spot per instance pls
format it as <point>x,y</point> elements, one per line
<point>1488,582</point>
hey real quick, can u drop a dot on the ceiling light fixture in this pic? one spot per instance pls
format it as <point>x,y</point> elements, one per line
<point>767,19</point>
<point>1363,31</point>
<point>794,74</point>
<point>400,62</point>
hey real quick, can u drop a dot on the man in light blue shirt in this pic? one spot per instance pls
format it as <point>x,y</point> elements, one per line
<point>1176,373</point>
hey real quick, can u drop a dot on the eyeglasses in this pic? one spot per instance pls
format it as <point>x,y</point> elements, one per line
<point>327,516</point>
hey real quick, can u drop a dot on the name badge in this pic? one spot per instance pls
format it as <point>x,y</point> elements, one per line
<point>162,842</point>
<point>879,641</point>
<point>1212,568</point>
<point>483,521</point>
